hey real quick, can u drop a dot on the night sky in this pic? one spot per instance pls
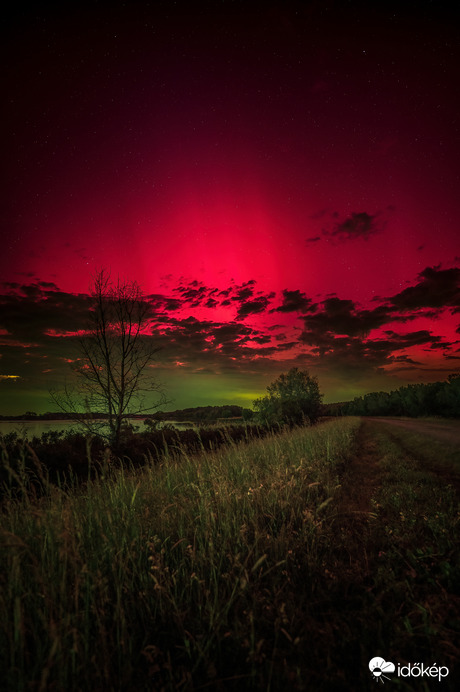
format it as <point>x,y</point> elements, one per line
<point>282,179</point>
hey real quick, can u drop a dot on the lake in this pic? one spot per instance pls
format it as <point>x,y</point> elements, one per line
<point>32,428</point>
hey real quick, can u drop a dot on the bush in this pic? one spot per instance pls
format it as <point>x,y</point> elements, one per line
<point>294,399</point>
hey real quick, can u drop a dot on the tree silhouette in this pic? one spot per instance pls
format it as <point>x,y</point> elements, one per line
<point>115,352</point>
<point>430,399</point>
<point>292,398</point>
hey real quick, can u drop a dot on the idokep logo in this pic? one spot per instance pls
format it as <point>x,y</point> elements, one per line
<point>379,668</point>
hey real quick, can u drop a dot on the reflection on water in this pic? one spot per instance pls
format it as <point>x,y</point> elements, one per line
<point>32,428</point>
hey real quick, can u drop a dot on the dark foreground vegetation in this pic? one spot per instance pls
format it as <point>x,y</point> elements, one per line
<point>283,563</point>
<point>68,458</point>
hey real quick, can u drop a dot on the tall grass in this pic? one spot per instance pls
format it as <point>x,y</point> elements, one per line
<point>174,576</point>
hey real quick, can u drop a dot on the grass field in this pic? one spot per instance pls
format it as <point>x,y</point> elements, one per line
<point>281,564</point>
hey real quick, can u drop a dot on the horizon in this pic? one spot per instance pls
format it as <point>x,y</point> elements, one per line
<point>280,181</point>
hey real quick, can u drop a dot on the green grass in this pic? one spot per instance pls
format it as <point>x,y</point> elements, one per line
<point>430,452</point>
<point>159,575</point>
<point>227,570</point>
<point>410,591</point>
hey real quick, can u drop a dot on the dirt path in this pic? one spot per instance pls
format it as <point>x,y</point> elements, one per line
<point>436,446</point>
<point>364,474</point>
<point>391,585</point>
<point>381,562</point>
<point>447,431</point>
<point>361,481</point>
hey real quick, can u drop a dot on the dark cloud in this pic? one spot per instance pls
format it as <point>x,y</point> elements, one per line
<point>295,301</point>
<point>423,336</point>
<point>160,303</point>
<point>195,292</point>
<point>244,297</point>
<point>356,225</point>
<point>39,326</point>
<point>338,337</point>
<point>251,307</point>
<point>436,288</point>
<point>342,317</point>
<point>286,345</point>
<point>205,342</point>
<point>263,339</point>
<point>243,294</point>
<point>406,359</point>
<point>226,292</point>
<point>354,357</point>
<point>28,312</point>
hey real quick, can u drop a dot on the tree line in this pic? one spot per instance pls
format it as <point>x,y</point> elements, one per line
<point>204,414</point>
<point>413,400</point>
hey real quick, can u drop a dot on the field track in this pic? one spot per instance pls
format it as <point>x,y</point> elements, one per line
<point>377,531</point>
<point>365,473</point>
<point>448,431</point>
<point>433,445</point>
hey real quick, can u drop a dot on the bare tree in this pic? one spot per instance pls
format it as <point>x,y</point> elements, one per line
<point>115,354</point>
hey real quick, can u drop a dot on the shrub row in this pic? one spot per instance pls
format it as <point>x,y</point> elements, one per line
<point>63,458</point>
